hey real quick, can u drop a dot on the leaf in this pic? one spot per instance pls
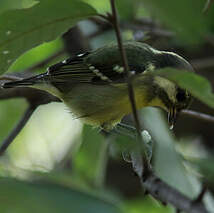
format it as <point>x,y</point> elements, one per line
<point>90,160</point>
<point>22,197</point>
<point>127,9</point>
<point>197,85</point>
<point>15,4</point>
<point>145,204</point>
<point>21,30</point>
<point>184,17</point>
<point>100,6</point>
<point>168,164</point>
<point>205,166</point>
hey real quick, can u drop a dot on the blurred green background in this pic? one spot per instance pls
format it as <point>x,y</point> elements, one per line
<point>57,164</point>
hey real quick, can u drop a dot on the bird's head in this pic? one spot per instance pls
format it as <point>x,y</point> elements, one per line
<point>166,94</point>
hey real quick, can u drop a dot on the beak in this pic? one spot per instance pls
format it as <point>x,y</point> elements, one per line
<point>172,117</point>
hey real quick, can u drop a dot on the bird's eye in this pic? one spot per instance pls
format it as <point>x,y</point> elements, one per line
<point>181,96</point>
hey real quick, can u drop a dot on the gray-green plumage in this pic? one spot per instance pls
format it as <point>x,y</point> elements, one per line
<point>94,87</point>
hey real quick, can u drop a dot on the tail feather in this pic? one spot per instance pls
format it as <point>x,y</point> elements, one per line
<point>25,82</point>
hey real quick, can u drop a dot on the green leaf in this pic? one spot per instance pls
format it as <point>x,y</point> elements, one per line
<point>127,9</point>
<point>100,6</point>
<point>145,204</point>
<point>90,160</point>
<point>205,167</point>
<point>184,17</point>
<point>21,197</point>
<point>15,4</point>
<point>197,85</point>
<point>167,163</point>
<point>38,54</point>
<point>21,30</point>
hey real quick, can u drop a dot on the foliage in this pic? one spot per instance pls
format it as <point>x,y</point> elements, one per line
<point>46,197</point>
<point>32,30</point>
<point>18,36</point>
<point>197,85</point>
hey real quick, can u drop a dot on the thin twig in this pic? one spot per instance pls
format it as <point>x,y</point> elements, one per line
<point>198,115</point>
<point>114,20</point>
<point>17,129</point>
<point>200,197</point>
<point>202,63</point>
<point>9,77</point>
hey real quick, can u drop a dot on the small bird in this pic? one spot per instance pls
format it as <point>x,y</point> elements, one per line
<point>94,84</point>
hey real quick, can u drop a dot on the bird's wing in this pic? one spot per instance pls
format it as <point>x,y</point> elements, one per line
<point>79,70</point>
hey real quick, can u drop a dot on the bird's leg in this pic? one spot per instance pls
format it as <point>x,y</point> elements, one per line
<point>126,130</point>
<point>130,131</point>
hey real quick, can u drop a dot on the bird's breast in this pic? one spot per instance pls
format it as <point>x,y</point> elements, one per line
<point>100,105</point>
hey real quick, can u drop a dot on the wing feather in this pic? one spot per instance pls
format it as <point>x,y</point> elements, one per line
<point>77,70</point>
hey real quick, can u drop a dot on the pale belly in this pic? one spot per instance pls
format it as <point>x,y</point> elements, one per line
<point>106,117</point>
<point>99,105</point>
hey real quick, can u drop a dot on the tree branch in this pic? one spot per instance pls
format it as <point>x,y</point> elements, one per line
<point>165,193</point>
<point>201,195</point>
<point>17,129</point>
<point>202,63</point>
<point>114,20</point>
<point>198,115</point>
<point>35,97</point>
<point>152,184</point>
<point>9,78</point>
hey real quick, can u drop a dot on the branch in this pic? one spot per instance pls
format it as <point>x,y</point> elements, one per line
<point>198,115</point>
<point>17,129</point>
<point>152,184</point>
<point>144,24</point>
<point>114,20</point>
<point>165,193</point>
<point>202,63</point>
<point>9,78</point>
<point>33,96</point>
<point>201,195</point>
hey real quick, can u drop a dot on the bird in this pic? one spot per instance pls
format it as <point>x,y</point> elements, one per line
<point>94,86</point>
